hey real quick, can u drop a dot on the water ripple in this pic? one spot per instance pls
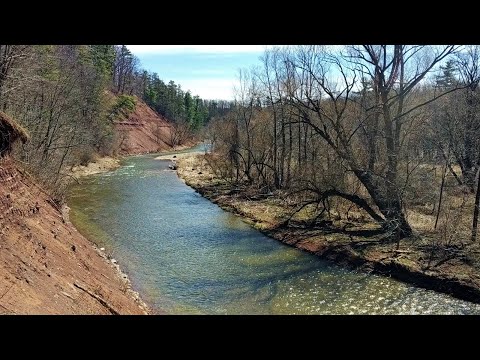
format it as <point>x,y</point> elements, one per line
<point>186,255</point>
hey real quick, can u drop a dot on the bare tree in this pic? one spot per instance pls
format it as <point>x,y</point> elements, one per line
<point>466,125</point>
<point>179,133</point>
<point>125,72</point>
<point>324,93</point>
<point>476,211</point>
<point>10,55</point>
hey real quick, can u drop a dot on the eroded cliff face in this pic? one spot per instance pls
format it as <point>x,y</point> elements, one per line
<point>143,131</point>
<point>46,265</point>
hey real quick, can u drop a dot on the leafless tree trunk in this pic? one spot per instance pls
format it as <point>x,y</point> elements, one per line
<point>475,211</point>
<point>444,173</point>
<point>386,68</point>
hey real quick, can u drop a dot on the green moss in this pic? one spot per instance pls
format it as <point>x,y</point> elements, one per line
<point>409,264</point>
<point>123,106</point>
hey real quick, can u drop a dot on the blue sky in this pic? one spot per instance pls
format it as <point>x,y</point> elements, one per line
<point>209,71</point>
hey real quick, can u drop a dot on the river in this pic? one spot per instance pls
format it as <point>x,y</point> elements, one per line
<point>185,255</point>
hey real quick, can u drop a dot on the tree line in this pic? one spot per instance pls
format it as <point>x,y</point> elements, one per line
<point>383,129</point>
<point>62,95</point>
<point>168,99</point>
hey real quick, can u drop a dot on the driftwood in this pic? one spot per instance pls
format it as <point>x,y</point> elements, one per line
<point>173,165</point>
<point>99,299</point>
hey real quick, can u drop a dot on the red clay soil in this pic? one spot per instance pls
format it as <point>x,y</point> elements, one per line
<point>46,266</point>
<point>144,131</point>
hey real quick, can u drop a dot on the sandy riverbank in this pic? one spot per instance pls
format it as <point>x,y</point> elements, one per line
<point>362,249</point>
<point>104,164</point>
<point>176,156</point>
<point>98,165</point>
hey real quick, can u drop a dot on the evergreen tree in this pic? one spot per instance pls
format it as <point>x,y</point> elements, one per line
<point>447,79</point>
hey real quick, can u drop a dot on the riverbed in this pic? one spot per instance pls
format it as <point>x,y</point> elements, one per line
<point>185,255</point>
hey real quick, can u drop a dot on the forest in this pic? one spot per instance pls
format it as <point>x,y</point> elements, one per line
<point>67,98</point>
<point>367,156</point>
<point>391,132</point>
<point>386,135</point>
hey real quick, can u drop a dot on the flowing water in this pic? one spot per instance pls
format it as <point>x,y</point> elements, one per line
<point>185,255</point>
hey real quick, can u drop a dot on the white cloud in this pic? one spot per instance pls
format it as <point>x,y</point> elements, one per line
<point>210,88</point>
<point>206,49</point>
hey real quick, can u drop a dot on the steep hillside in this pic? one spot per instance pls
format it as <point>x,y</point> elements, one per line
<point>143,131</point>
<point>46,266</point>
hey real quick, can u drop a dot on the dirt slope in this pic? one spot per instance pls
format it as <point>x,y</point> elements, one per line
<point>143,131</point>
<point>46,266</point>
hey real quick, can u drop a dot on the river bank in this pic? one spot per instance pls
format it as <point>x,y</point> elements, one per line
<point>412,262</point>
<point>46,265</point>
<point>97,166</point>
<point>104,164</point>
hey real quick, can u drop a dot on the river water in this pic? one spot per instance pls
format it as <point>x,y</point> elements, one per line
<point>185,255</point>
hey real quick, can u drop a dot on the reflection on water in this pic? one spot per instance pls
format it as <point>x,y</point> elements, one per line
<point>187,256</point>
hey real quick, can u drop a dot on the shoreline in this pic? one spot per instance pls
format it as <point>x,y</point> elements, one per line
<point>97,166</point>
<point>46,265</point>
<point>354,252</point>
<point>177,156</point>
<point>109,163</point>
<point>135,295</point>
<point>104,165</point>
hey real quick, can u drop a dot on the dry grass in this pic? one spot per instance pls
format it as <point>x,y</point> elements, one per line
<point>98,165</point>
<point>444,252</point>
<point>8,124</point>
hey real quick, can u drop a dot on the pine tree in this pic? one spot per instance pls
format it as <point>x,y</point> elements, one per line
<point>447,79</point>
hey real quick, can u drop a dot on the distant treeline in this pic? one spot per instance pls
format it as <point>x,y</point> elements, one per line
<point>168,99</point>
<point>67,98</point>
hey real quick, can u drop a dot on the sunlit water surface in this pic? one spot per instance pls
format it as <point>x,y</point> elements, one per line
<point>185,255</point>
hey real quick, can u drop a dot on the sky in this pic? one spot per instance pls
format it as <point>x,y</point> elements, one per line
<point>209,71</point>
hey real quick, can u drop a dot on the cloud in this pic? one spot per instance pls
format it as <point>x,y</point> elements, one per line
<point>205,49</point>
<point>210,88</point>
